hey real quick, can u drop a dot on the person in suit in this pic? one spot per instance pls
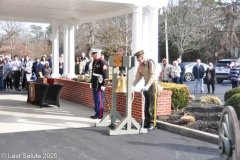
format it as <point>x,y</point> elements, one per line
<point>38,67</point>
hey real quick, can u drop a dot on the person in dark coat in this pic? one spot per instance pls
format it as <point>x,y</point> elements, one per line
<point>38,67</point>
<point>198,73</point>
<point>210,78</point>
<point>182,67</point>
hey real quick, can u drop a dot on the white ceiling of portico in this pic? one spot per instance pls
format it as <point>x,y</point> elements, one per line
<point>44,11</point>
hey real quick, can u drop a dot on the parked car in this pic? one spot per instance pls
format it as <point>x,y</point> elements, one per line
<point>188,76</point>
<point>222,69</point>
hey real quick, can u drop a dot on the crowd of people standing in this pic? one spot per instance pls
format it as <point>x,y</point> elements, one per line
<point>201,76</point>
<point>14,73</point>
<point>176,72</point>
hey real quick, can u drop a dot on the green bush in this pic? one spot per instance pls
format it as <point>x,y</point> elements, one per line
<point>234,101</point>
<point>180,94</point>
<point>230,93</point>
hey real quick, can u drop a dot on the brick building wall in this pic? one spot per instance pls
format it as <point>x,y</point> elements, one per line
<point>80,92</point>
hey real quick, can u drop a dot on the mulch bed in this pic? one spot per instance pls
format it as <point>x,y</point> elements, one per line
<point>207,116</point>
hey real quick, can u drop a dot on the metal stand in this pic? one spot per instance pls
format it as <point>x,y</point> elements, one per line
<point>127,125</point>
<point>229,140</point>
<point>113,114</point>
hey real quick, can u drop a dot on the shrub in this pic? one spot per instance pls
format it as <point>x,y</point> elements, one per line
<point>187,119</point>
<point>191,97</point>
<point>180,94</point>
<point>230,93</point>
<point>211,99</point>
<point>234,101</point>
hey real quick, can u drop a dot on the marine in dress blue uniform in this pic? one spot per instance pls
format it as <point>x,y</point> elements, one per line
<point>99,82</point>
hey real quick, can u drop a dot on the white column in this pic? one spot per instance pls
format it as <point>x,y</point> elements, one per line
<point>66,55</point>
<point>71,52</point>
<point>137,40</point>
<point>153,33</point>
<point>149,33</point>
<point>55,51</point>
<point>137,29</point>
<point>145,32</point>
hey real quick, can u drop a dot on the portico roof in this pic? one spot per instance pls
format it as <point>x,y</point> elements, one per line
<point>80,11</point>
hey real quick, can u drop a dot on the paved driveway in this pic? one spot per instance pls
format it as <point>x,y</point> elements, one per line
<point>95,144</point>
<point>30,132</point>
<point>220,89</point>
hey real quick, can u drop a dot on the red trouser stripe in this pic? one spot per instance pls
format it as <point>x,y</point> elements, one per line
<point>100,114</point>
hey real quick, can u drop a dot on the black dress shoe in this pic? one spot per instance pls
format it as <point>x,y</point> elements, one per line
<point>94,117</point>
<point>151,128</point>
<point>146,126</point>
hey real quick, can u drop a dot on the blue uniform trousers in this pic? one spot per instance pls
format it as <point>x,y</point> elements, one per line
<point>98,96</point>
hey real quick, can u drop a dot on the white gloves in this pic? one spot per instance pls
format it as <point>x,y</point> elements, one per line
<point>103,88</point>
<point>145,88</point>
<point>132,88</point>
<point>160,88</point>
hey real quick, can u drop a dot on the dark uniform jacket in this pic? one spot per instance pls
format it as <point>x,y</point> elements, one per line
<point>99,67</point>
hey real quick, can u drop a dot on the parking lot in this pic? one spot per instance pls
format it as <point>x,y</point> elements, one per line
<point>220,89</point>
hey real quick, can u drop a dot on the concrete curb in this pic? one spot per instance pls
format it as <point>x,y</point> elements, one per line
<point>204,136</point>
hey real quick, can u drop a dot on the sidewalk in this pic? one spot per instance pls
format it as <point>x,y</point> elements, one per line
<point>16,115</point>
